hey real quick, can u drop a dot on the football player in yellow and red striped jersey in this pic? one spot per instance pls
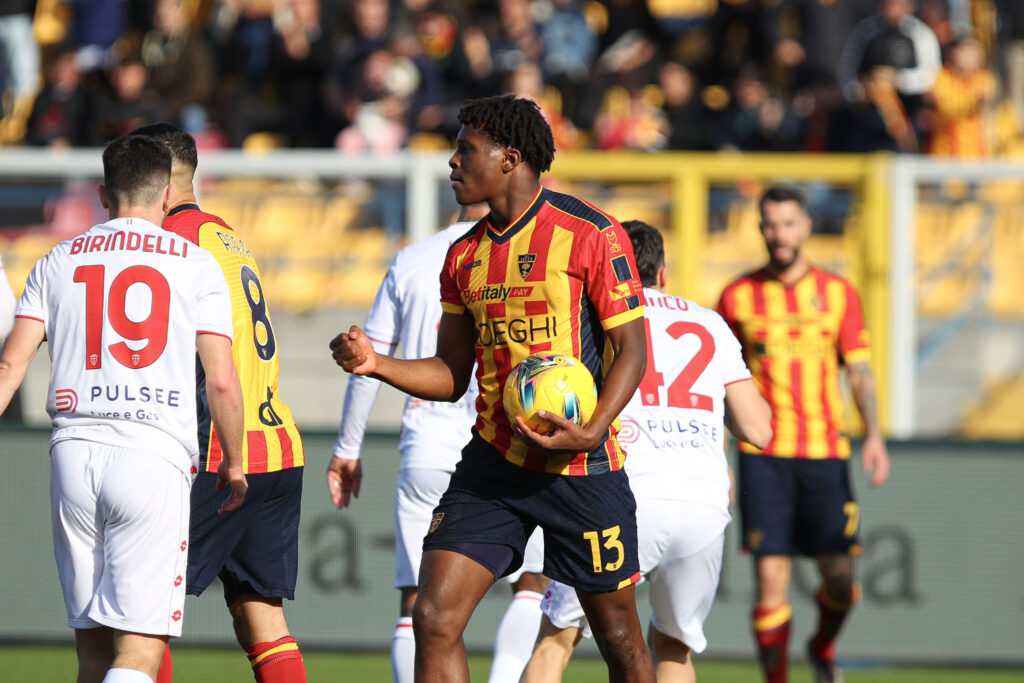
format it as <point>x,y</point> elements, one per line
<point>798,325</point>
<point>255,551</point>
<point>543,272</point>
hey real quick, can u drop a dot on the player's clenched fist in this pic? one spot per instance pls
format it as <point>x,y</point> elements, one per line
<point>353,352</point>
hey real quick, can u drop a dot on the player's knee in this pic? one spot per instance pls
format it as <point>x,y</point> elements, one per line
<point>840,586</point>
<point>430,622</point>
<point>621,645</point>
<point>666,648</point>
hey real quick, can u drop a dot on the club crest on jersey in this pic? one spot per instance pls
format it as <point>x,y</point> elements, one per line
<point>94,360</point>
<point>816,302</point>
<point>135,359</point>
<point>526,262</point>
<point>435,521</point>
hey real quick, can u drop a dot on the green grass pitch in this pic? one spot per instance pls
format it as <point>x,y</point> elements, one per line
<point>43,664</point>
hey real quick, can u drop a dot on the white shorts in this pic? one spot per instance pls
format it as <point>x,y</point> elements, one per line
<point>533,557</point>
<point>681,545</point>
<point>417,493</point>
<point>120,536</point>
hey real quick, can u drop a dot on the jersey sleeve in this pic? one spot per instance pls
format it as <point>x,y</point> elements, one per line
<point>612,280</point>
<point>451,298</point>
<point>728,348</point>
<point>7,303</point>
<point>854,345</point>
<point>33,300</point>
<point>214,301</point>
<point>383,322</point>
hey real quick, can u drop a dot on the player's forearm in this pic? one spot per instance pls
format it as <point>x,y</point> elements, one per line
<point>226,411</point>
<point>431,379</point>
<point>10,379</point>
<point>623,377</point>
<point>862,384</point>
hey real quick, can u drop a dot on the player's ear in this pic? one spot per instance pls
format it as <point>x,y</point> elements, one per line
<point>662,278</point>
<point>513,157</point>
<point>166,200</point>
<point>101,188</point>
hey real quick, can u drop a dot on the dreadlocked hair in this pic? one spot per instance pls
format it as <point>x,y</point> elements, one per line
<point>513,122</point>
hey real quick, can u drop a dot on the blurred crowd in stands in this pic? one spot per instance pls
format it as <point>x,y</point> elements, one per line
<point>927,76</point>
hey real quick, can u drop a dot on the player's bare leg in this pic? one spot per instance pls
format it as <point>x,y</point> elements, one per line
<point>672,661</point>
<point>450,587</point>
<point>138,652</point>
<point>262,631</point>
<point>551,654</point>
<point>618,634</point>
<point>836,598</point>
<point>772,614</point>
<point>95,648</point>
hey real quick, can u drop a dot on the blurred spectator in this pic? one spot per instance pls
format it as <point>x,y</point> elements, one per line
<point>59,112</point>
<point>180,65</point>
<point>528,81</point>
<point>568,49</point>
<point>245,29</point>
<point>19,67</point>
<point>894,38</point>
<point>517,39</point>
<point>964,93</point>
<point>759,120</point>
<point>626,54</point>
<point>301,60</point>
<point>682,107</point>
<point>126,104</point>
<point>1010,20</point>
<point>381,106</point>
<point>631,121</point>
<point>739,34</point>
<point>880,121</point>
<point>370,32</point>
<point>95,26</point>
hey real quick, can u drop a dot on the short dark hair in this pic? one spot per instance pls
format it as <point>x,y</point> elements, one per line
<point>180,143</point>
<point>136,170</point>
<point>514,122</point>
<point>649,249</point>
<point>783,193</point>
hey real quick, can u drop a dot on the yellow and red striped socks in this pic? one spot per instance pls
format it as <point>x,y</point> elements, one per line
<point>771,629</point>
<point>279,661</point>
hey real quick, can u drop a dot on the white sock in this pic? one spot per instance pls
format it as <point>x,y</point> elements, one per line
<point>126,676</point>
<point>517,633</point>
<point>403,651</point>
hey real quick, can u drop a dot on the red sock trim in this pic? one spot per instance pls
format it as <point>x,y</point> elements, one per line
<point>279,661</point>
<point>166,667</point>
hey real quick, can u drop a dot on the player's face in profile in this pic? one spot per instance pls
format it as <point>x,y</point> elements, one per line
<point>476,167</point>
<point>784,226</point>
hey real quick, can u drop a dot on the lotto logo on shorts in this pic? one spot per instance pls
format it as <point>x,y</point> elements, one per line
<point>184,544</point>
<point>177,581</point>
<point>65,400</point>
<point>176,615</point>
<point>435,521</point>
<point>755,537</point>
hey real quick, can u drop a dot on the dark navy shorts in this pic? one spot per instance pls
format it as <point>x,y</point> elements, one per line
<point>589,522</point>
<point>792,506</point>
<point>253,550</point>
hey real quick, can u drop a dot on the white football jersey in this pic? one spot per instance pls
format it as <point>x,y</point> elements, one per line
<point>673,427</point>
<point>122,305</point>
<point>407,313</point>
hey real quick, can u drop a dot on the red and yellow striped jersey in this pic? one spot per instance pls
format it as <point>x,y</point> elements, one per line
<point>272,441</point>
<point>793,340</point>
<point>552,281</point>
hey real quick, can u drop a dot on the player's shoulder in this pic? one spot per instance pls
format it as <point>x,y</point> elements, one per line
<point>825,277</point>
<point>187,219</point>
<point>581,210</point>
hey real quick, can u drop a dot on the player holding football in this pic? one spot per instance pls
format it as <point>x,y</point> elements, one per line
<point>544,272</point>
<point>674,431</point>
<point>797,323</point>
<point>124,307</point>
<point>254,552</point>
<point>407,313</point>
